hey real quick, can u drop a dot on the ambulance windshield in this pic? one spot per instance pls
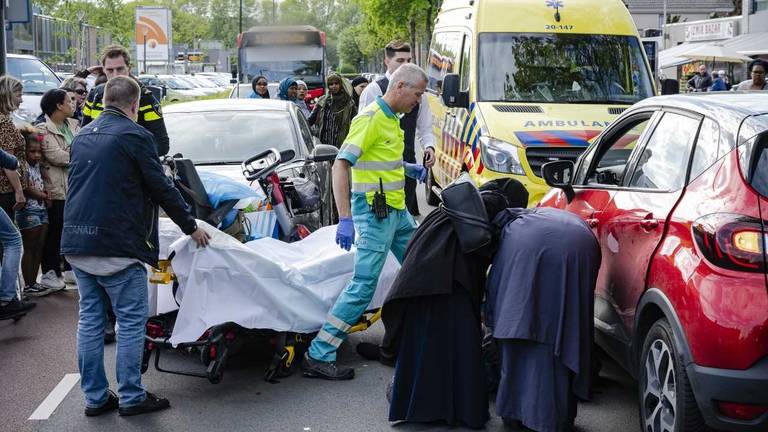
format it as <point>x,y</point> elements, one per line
<point>562,68</point>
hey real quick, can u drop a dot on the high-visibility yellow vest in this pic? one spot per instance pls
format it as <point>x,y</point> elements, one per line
<point>374,147</point>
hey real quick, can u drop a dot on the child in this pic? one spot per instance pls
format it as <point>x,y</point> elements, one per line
<point>33,219</point>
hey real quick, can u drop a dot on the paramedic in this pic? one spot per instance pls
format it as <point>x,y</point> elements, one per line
<point>415,123</point>
<point>377,211</point>
<point>115,183</point>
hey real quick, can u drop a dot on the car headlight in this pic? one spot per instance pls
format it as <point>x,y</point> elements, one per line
<point>500,156</point>
<point>24,115</point>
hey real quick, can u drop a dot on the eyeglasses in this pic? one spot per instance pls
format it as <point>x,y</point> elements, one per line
<point>81,91</point>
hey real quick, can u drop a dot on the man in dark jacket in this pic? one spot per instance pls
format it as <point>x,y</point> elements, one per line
<point>700,82</point>
<point>115,184</point>
<point>117,62</point>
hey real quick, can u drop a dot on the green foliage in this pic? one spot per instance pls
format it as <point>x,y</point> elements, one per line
<point>347,69</point>
<point>356,29</point>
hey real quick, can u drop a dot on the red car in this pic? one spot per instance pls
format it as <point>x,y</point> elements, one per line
<point>676,191</point>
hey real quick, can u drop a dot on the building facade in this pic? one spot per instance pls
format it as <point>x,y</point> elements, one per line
<point>63,45</point>
<point>649,14</point>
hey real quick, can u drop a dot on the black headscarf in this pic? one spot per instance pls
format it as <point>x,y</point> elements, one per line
<point>253,85</point>
<point>356,82</point>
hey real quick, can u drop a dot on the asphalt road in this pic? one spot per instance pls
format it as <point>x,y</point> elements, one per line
<point>39,351</point>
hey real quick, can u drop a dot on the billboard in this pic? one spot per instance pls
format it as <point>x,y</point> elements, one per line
<point>153,31</point>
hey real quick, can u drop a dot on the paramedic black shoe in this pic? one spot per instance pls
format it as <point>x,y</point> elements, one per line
<point>326,370</point>
<point>110,405</point>
<point>152,403</point>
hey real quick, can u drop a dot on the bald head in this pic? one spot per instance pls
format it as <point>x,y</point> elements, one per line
<point>122,92</point>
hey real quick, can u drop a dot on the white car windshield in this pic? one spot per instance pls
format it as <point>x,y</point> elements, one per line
<point>35,77</point>
<point>229,137</point>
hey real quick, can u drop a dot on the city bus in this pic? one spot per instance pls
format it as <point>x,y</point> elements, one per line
<point>284,51</point>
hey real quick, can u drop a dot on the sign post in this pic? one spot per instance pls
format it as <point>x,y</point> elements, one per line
<point>153,35</point>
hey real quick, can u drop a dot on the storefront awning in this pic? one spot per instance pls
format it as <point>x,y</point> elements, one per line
<point>671,57</point>
<point>750,44</point>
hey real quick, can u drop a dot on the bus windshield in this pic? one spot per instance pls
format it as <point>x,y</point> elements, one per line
<point>304,62</point>
<point>306,70</point>
<point>562,68</point>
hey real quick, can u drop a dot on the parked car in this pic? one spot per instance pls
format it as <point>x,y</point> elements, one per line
<point>216,78</point>
<point>676,191</point>
<point>64,75</point>
<point>218,135</point>
<point>36,78</point>
<point>175,90</point>
<point>200,84</point>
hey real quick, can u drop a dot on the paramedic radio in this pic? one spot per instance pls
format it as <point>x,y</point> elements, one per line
<point>380,202</point>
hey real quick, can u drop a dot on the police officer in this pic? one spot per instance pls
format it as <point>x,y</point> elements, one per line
<point>416,123</point>
<point>116,61</point>
<point>377,211</point>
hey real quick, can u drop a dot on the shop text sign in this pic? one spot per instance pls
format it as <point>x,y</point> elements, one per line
<point>709,31</point>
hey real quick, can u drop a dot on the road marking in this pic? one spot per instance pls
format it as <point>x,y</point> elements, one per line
<point>54,399</point>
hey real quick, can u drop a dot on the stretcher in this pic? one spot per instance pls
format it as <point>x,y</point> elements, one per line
<point>263,288</point>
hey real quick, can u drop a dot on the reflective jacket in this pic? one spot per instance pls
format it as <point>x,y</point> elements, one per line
<point>150,114</point>
<point>374,148</point>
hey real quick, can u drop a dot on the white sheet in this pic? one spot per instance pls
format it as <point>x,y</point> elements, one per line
<point>263,284</point>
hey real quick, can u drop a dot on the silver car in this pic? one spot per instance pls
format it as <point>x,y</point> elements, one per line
<point>218,135</point>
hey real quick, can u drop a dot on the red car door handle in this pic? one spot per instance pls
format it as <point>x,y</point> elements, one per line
<point>649,224</point>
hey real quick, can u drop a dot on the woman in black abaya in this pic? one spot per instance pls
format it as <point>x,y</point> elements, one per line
<point>432,320</point>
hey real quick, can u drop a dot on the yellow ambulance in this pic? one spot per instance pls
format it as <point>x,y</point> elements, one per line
<point>516,84</point>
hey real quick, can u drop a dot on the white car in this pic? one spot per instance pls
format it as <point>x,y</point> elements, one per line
<point>36,78</point>
<point>206,87</point>
<point>220,80</point>
<point>181,88</point>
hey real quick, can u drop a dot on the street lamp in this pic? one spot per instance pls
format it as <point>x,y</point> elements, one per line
<point>145,31</point>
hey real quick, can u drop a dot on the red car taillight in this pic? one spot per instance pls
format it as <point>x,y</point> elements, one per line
<point>731,241</point>
<point>742,411</point>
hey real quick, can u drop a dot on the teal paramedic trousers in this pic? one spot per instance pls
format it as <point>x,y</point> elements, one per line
<point>375,238</point>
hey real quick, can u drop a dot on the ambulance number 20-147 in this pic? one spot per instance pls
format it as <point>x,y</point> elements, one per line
<point>558,27</point>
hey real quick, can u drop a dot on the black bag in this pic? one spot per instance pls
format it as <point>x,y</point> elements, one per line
<point>464,206</point>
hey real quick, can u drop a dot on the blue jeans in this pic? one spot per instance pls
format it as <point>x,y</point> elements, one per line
<point>127,292</point>
<point>375,239</point>
<point>11,241</point>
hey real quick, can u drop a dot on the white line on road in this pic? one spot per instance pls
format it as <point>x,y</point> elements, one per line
<point>54,399</point>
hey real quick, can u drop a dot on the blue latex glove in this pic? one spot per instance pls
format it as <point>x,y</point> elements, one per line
<point>415,171</point>
<point>345,233</point>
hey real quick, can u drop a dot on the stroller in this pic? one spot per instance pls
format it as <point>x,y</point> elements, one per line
<point>220,341</point>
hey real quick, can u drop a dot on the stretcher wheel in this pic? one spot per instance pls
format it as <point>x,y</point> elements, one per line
<point>145,357</point>
<point>205,356</point>
<point>216,371</point>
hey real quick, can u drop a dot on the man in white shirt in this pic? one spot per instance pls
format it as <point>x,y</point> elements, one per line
<point>417,123</point>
